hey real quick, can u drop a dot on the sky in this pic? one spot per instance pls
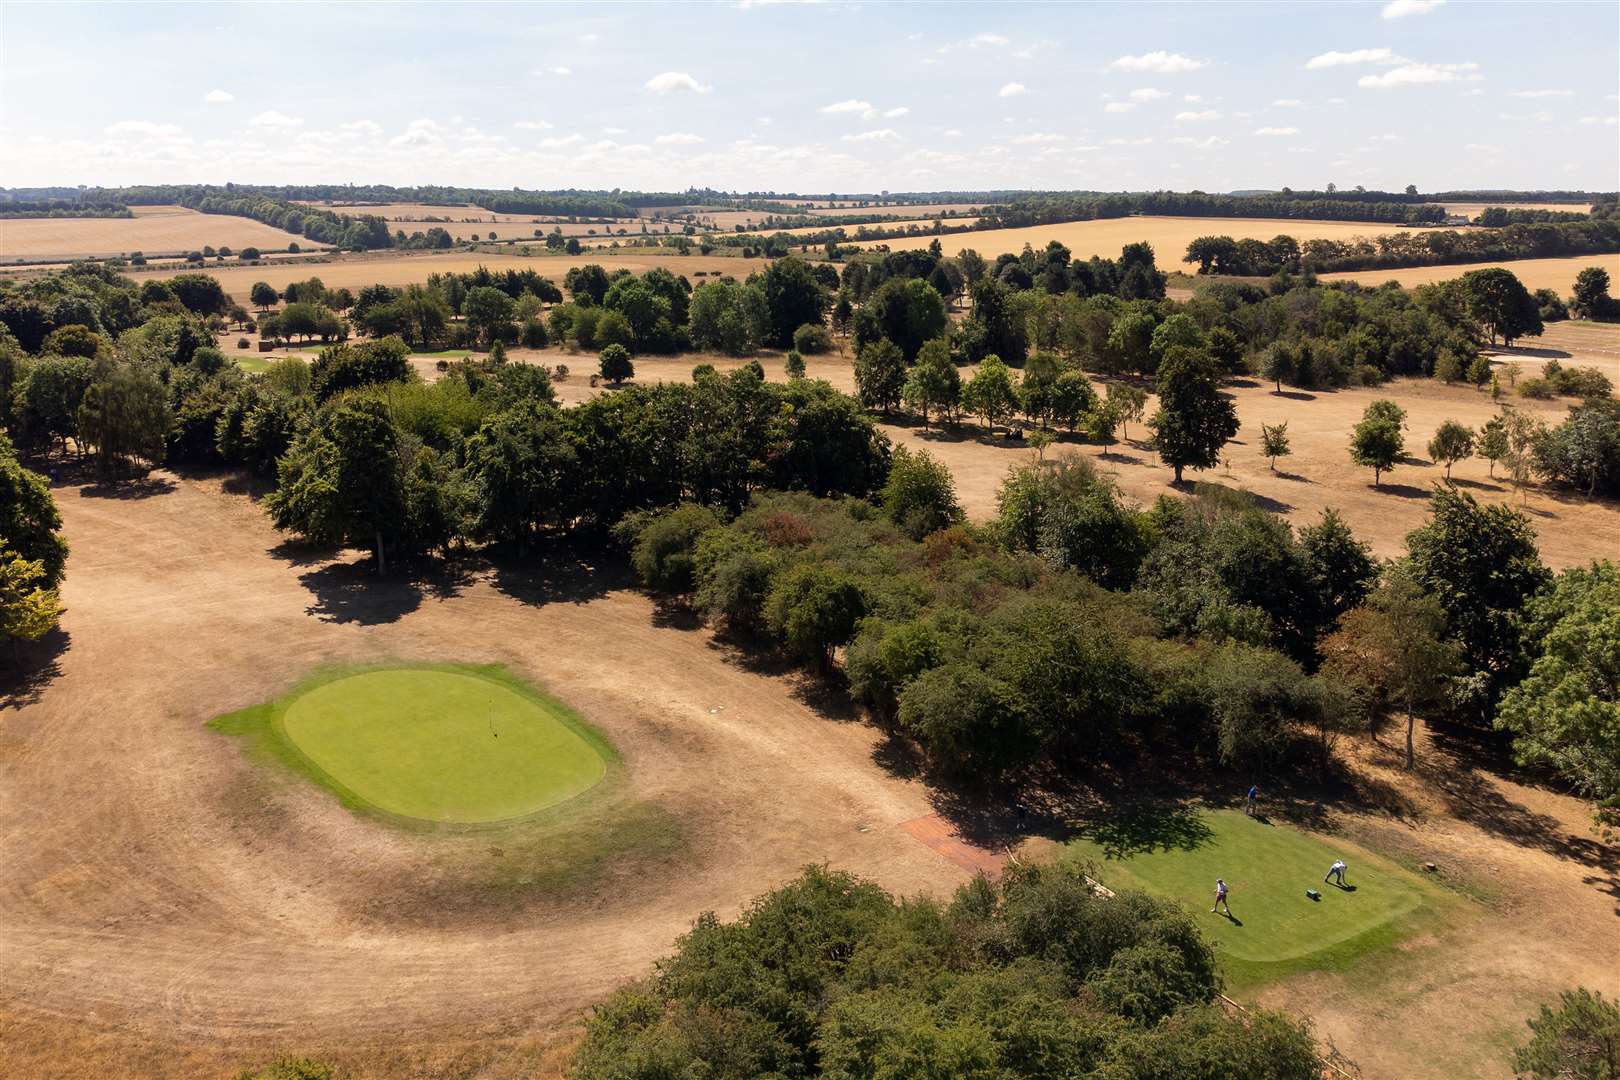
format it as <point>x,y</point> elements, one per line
<point>815,97</point>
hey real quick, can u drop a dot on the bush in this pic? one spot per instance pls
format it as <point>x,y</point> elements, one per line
<point>1540,389</point>
<point>241,343</point>
<point>795,364</point>
<point>615,365</point>
<point>665,546</point>
<point>812,338</point>
<point>920,495</point>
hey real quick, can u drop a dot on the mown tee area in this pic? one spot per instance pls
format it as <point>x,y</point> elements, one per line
<point>1275,929</point>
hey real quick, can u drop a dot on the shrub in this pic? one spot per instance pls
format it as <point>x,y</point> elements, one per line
<point>241,343</point>
<point>795,364</point>
<point>665,546</point>
<point>920,495</point>
<point>812,338</point>
<point>615,365</point>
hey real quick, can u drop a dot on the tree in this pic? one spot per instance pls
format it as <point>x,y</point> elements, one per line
<point>488,311</point>
<point>1194,419</point>
<point>1579,1040</point>
<point>1565,714</point>
<point>1129,402</point>
<point>1004,333</point>
<point>29,521</point>
<point>906,311</point>
<point>920,495</point>
<point>615,364</point>
<point>1501,303</point>
<point>345,367</point>
<point>125,417</point>
<point>1274,442</point>
<point>1452,443</point>
<point>794,364</point>
<point>1592,300</point>
<point>1343,566</point>
<point>29,606</point>
<point>1481,564</point>
<point>522,463</point>
<point>1279,362</point>
<point>342,483</point>
<point>728,316</point>
<point>991,393</point>
<point>1493,442</point>
<point>665,547</point>
<point>263,295</point>
<point>1377,442</point>
<point>793,297</point>
<point>934,383</point>
<point>880,374</point>
<point>814,608</point>
<point>1396,642</point>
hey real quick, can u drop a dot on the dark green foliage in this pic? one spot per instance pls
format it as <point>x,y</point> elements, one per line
<point>920,495</point>
<point>1579,1040</point>
<point>793,298</point>
<point>346,367</point>
<point>814,609</point>
<point>1036,977</point>
<point>521,463</point>
<point>1583,452</point>
<point>1074,518</point>
<point>29,522</point>
<point>904,311</point>
<point>1195,420</point>
<point>615,365</point>
<point>124,417</point>
<point>664,546</point>
<point>880,374</point>
<point>287,1068</point>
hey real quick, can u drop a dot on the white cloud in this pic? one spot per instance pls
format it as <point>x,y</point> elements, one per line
<point>1277,131</point>
<point>671,82</point>
<point>367,127</point>
<point>1164,63</point>
<point>1037,137</point>
<point>1399,9</point>
<point>141,127</point>
<point>615,131</point>
<point>533,125</point>
<point>880,135</point>
<point>564,71</point>
<point>1384,138</point>
<point>1148,93</point>
<point>951,133</point>
<point>1012,89</point>
<point>1422,75</point>
<point>557,142</point>
<point>587,39</point>
<point>1199,144</point>
<point>849,106</point>
<point>1475,92</point>
<point>1143,141</point>
<point>1193,99</point>
<point>897,111</point>
<point>1197,117</point>
<point>1541,117</point>
<point>764,121</point>
<point>1354,56</point>
<point>678,138</point>
<point>1610,120</point>
<point>1287,103</point>
<point>981,40</point>
<point>218,97</point>
<point>1483,148</point>
<point>1542,93</point>
<point>1119,106</point>
<point>272,118</point>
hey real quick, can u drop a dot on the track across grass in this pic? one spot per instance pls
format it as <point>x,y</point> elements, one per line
<point>1276,929</point>
<point>439,743</point>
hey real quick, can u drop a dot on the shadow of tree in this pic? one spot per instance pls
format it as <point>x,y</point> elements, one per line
<point>1295,477</point>
<point>24,677</point>
<point>1403,491</point>
<point>1147,827</point>
<point>557,572</point>
<point>353,593</point>
<point>141,487</point>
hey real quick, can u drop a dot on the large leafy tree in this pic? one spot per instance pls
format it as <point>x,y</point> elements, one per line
<point>880,374</point>
<point>1579,1040</point>
<point>1481,564</point>
<point>793,297</point>
<point>125,417</point>
<point>1195,420</point>
<point>1565,715</point>
<point>920,495</point>
<point>29,607</point>
<point>934,383</point>
<point>991,393</point>
<point>29,522</point>
<point>1501,303</point>
<point>906,311</point>
<point>342,482</point>
<point>520,462</point>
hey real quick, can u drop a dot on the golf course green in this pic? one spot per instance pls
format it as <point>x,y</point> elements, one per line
<point>443,744</point>
<point>1267,867</point>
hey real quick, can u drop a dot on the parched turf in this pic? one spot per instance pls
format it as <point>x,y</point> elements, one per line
<point>1276,929</point>
<point>443,744</point>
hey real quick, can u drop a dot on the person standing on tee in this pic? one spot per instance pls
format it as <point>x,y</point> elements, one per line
<point>1220,898</point>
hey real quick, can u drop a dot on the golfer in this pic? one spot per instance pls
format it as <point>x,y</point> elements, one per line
<point>1336,873</point>
<point>1220,898</point>
<point>1254,793</point>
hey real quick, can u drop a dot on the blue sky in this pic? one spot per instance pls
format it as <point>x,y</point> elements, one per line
<point>815,97</point>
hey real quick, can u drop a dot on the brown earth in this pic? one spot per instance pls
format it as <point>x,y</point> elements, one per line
<point>153,230</point>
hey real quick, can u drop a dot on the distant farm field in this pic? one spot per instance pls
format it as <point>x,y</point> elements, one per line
<point>728,220</point>
<point>851,230</point>
<point>463,221</point>
<point>1555,274</point>
<point>357,272</point>
<point>153,230</point>
<point>1168,235</point>
<point>1473,209</point>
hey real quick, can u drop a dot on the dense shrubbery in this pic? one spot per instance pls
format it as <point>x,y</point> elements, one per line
<point>1036,976</point>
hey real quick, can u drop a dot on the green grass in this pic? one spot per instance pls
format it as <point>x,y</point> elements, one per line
<point>443,744</point>
<point>1277,929</point>
<point>255,365</point>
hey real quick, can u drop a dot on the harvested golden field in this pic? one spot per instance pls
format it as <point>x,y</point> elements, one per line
<point>851,230</point>
<point>728,220</point>
<point>1555,274</point>
<point>357,271</point>
<point>463,221</point>
<point>1168,235</point>
<point>154,230</point>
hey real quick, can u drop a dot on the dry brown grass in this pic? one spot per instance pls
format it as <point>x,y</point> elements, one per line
<point>1168,235</point>
<point>1555,274</point>
<point>153,230</point>
<point>1474,209</point>
<point>850,230</point>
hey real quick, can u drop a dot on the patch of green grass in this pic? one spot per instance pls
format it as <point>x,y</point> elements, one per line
<point>1277,930</point>
<point>255,365</point>
<point>443,744</point>
<point>445,354</point>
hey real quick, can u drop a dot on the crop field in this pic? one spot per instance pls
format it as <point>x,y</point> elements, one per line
<point>728,220</point>
<point>356,272</point>
<point>1474,209</point>
<point>851,230</point>
<point>1555,274</point>
<point>153,230</point>
<point>1168,235</point>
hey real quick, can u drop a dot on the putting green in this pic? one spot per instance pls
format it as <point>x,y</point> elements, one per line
<point>441,745</point>
<point>1268,867</point>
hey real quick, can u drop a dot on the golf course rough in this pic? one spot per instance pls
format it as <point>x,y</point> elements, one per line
<point>456,745</point>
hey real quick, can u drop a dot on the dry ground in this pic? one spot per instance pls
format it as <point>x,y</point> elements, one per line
<point>153,229</point>
<point>851,229</point>
<point>1474,209</point>
<point>1168,235</point>
<point>1555,274</point>
<point>728,220</point>
<point>1317,476</point>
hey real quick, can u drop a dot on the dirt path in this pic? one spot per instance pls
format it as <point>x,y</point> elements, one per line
<point>157,891</point>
